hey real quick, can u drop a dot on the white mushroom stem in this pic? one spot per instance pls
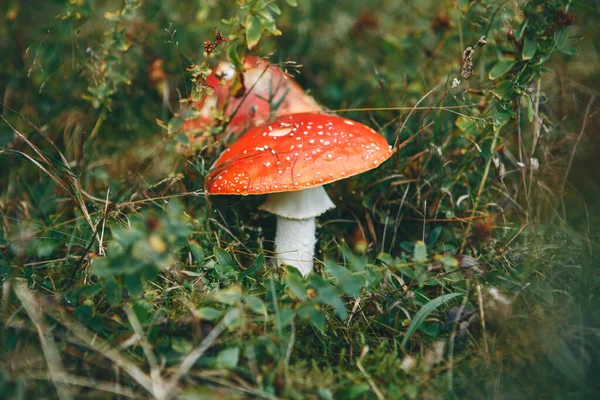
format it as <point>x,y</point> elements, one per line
<point>295,243</point>
<point>295,236</point>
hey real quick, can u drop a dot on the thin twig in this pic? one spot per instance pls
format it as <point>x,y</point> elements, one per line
<point>362,369</point>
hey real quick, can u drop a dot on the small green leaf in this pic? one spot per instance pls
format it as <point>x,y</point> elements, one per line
<point>500,119</point>
<point>419,252</point>
<point>328,294</point>
<point>234,57</point>
<point>351,284</point>
<point>256,264</point>
<point>467,125</point>
<point>561,38</point>
<point>293,3</point>
<point>570,51</point>
<point>424,312</point>
<point>228,358</point>
<point>181,345</point>
<point>253,31</point>
<point>197,251</point>
<point>448,261</point>
<point>434,236</point>
<point>113,292</point>
<point>501,68</point>
<point>208,313</point>
<point>90,290</point>
<point>296,286</point>
<point>317,319</point>
<point>182,138</point>
<point>527,103</point>
<point>255,304</point>
<point>529,48</point>
<point>386,258</point>
<point>83,313</point>
<point>504,90</point>
<point>230,295</point>
<point>223,257</point>
<point>174,125</point>
<point>355,392</point>
<point>133,284</point>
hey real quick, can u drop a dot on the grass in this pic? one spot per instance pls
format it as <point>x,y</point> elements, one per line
<point>464,267</point>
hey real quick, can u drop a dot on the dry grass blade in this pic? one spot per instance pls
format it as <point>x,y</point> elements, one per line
<point>51,353</point>
<point>362,369</point>
<point>94,342</point>
<point>157,382</point>
<point>196,353</point>
<point>62,174</point>
<point>397,142</point>
<point>576,145</point>
<point>108,387</point>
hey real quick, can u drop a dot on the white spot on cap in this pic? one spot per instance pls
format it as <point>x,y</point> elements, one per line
<point>348,122</point>
<point>280,132</point>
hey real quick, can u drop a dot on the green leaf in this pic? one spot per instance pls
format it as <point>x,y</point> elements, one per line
<point>500,119</point>
<point>527,103</point>
<point>197,251</point>
<point>113,292</point>
<point>256,264</point>
<point>174,125</point>
<point>347,282</point>
<point>90,290</point>
<point>230,295</point>
<point>208,313</point>
<point>424,312</point>
<point>255,304</point>
<point>419,252</point>
<point>561,38</point>
<point>234,57</point>
<point>386,258</point>
<point>467,125</point>
<point>354,391</point>
<point>328,294</point>
<point>83,313</point>
<point>181,345</point>
<point>296,286</point>
<point>133,284</point>
<point>223,257</point>
<point>529,48</point>
<point>448,261</point>
<point>434,236</point>
<point>570,51</point>
<point>501,68</point>
<point>504,90</point>
<point>228,358</point>
<point>182,138</point>
<point>317,319</point>
<point>274,8</point>
<point>253,31</point>
<point>293,3</point>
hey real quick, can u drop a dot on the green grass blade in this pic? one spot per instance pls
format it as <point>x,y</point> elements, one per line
<point>427,309</point>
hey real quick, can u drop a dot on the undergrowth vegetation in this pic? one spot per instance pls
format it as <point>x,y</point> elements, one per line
<point>463,267</point>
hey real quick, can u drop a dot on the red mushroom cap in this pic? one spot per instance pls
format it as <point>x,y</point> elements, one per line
<point>296,152</point>
<point>265,82</point>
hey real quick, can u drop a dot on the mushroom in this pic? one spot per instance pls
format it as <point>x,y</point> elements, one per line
<point>291,159</point>
<point>267,85</point>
